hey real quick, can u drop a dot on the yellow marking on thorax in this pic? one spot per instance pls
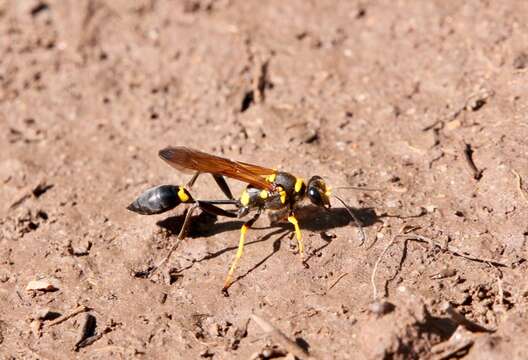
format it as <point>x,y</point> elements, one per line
<point>271,178</point>
<point>282,196</point>
<point>244,198</point>
<point>298,184</point>
<point>182,194</point>
<point>264,194</point>
<point>328,191</point>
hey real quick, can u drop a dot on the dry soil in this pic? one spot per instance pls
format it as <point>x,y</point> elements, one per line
<point>397,96</point>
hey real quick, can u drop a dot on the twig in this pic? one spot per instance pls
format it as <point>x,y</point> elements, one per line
<point>259,81</point>
<point>436,158</point>
<point>334,283</point>
<point>468,155</point>
<point>501,291</point>
<point>472,102</point>
<point>454,250</point>
<point>292,125</point>
<point>378,234</point>
<point>35,190</point>
<point>414,237</point>
<point>290,345</point>
<point>65,317</point>
<point>519,185</point>
<point>375,269</point>
<point>440,123</point>
<point>434,125</point>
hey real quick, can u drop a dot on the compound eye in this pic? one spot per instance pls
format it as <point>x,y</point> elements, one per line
<point>315,197</point>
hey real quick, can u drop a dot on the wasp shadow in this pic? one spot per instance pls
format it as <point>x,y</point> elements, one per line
<point>212,255</point>
<point>310,217</point>
<point>201,225</point>
<point>314,218</point>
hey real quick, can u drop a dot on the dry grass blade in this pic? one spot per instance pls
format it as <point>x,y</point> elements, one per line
<point>334,283</point>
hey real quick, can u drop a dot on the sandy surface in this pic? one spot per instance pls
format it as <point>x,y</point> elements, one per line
<point>382,94</point>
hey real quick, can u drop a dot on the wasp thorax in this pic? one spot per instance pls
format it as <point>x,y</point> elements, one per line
<point>318,192</point>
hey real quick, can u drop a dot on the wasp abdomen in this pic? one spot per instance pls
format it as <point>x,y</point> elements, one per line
<point>159,199</point>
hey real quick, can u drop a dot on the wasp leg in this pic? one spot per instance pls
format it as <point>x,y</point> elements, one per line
<point>220,181</point>
<point>180,238</point>
<point>210,208</point>
<point>222,184</point>
<point>243,230</point>
<point>293,220</point>
<point>191,182</point>
<point>204,206</point>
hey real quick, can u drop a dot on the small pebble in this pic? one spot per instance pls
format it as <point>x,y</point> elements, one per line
<point>381,308</point>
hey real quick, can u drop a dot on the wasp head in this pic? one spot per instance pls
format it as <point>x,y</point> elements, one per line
<point>318,192</point>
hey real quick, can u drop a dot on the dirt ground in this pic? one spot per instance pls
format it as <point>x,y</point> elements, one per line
<point>396,96</point>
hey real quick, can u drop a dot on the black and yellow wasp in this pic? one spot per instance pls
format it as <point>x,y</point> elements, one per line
<point>267,189</point>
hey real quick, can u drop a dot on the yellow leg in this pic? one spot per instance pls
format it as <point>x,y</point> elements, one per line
<point>240,251</point>
<point>292,219</point>
<point>238,255</point>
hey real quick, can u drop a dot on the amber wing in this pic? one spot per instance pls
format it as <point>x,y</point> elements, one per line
<point>183,158</point>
